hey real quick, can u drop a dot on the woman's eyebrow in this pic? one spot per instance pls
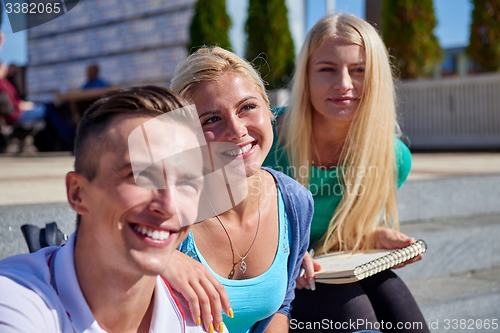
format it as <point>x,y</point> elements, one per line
<point>332,63</point>
<point>209,112</point>
<point>243,100</point>
<point>324,62</point>
<point>217,112</point>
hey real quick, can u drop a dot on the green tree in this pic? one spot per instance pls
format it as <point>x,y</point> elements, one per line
<point>210,25</point>
<point>484,41</point>
<point>268,36</point>
<point>407,30</point>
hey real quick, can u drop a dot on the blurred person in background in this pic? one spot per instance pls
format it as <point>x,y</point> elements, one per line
<point>93,79</point>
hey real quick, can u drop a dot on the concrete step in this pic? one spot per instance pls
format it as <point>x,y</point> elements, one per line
<point>425,199</point>
<point>457,284</point>
<point>13,216</point>
<point>462,302</point>
<point>455,245</point>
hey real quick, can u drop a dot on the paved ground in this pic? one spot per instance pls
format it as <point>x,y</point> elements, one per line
<point>33,179</point>
<point>440,165</point>
<point>40,178</point>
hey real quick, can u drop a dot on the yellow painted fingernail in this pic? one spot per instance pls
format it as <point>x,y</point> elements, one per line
<point>198,321</point>
<point>231,313</point>
<point>211,328</point>
<point>221,327</point>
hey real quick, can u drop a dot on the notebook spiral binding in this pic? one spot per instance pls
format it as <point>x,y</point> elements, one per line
<point>392,259</point>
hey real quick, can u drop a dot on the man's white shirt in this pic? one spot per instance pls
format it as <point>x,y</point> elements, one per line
<point>39,292</point>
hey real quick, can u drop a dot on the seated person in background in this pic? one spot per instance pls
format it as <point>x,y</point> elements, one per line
<point>22,112</point>
<point>93,79</point>
<point>13,75</point>
<point>32,119</point>
<point>132,213</point>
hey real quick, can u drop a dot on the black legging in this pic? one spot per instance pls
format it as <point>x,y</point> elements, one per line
<point>378,303</point>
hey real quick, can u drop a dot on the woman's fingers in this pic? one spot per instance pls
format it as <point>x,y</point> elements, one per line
<point>205,295</point>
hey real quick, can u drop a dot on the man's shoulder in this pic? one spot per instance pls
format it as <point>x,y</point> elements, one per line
<point>29,271</point>
<point>23,310</point>
<point>183,305</point>
<point>28,300</point>
<point>27,265</point>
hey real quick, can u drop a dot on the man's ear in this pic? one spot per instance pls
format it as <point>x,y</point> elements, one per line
<point>75,186</point>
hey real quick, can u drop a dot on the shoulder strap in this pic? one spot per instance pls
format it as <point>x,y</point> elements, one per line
<point>36,237</point>
<point>31,234</point>
<point>53,236</point>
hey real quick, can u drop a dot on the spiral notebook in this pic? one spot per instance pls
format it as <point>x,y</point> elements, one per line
<point>341,267</point>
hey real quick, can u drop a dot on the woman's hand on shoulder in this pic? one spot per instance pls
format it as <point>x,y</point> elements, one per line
<point>389,239</point>
<point>204,293</point>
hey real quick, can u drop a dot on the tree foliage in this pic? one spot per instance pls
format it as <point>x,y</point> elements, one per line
<point>210,25</point>
<point>407,30</point>
<point>268,35</point>
<point>484,41</point>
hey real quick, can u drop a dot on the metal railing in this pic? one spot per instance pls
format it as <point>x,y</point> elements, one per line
<point>455,113</point>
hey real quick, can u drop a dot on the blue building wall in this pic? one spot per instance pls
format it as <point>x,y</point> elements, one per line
<point>135,42</point>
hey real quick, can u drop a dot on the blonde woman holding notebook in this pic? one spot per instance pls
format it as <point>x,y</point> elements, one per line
<point>340,138</point>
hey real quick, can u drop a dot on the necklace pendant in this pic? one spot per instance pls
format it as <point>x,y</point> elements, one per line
<point>231,274</point>
<point>243,266</point>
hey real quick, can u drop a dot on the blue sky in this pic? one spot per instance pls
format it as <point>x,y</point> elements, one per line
<point>452,30</point>
<point>453,16</point>
<point>15,48</point>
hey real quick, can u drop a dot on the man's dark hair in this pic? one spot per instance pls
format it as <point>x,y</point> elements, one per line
<point>91,140</point>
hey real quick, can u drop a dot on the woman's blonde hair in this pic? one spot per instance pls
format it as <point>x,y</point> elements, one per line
<point>368,196</point>
<point>209,64</point>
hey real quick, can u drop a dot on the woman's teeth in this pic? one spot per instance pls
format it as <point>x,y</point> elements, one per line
<point>157,235</point>
<point>240,151</point>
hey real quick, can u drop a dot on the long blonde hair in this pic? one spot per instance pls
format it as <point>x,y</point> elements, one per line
<point>368,197</point>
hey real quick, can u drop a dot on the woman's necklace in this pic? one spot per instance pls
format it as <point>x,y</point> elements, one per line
<point>317,161</point>
<point>243,264</point>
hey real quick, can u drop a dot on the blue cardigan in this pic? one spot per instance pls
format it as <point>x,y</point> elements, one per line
<point>298,205</point>
<point>299,209</point>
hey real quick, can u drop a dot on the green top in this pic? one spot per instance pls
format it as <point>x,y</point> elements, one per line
<point>324,184</point>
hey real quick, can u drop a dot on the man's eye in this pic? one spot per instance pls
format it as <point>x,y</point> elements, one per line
<point>190,185</point>
<point>151,180</point>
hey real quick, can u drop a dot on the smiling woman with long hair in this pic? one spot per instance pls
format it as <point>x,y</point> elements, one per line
<point>339,137</point>
<point>254,249</point>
